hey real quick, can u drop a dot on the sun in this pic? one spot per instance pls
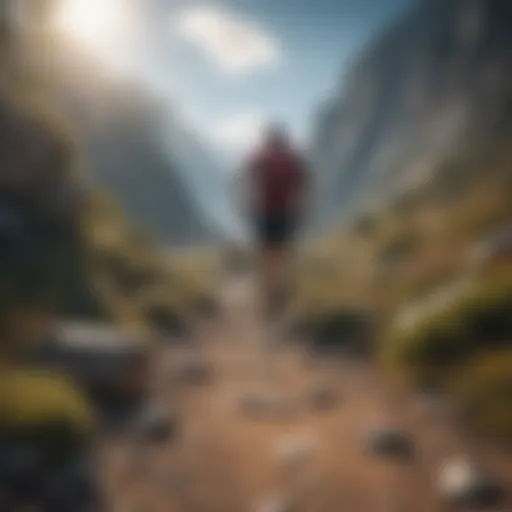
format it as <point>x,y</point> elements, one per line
<point>99,25</point>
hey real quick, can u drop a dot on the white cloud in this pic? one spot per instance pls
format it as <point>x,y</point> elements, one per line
<point>237,134</point>
<point>234,44</point>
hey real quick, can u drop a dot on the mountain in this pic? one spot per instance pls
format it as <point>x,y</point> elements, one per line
<point>209,182</point>
<point>434,83</point>
<point>137,149</point>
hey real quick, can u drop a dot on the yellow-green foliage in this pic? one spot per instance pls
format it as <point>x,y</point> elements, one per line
<point>34,401</point>
<point>136,280</point>
<point>435,341</point>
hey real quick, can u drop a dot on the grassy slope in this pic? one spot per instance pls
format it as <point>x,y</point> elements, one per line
<point>399,260</point>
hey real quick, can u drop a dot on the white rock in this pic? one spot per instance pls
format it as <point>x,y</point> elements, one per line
<point>462,484</point>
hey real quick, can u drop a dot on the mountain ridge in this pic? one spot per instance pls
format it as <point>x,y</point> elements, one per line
<point>430,84</point>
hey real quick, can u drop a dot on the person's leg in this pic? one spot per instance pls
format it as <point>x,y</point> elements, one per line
<point>263,274</point>
<point>281,263</point>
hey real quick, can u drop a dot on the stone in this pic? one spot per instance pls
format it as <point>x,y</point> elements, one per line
<point>460,483</point>
<point>323,398</point>
<point>195,372</point>
<point>389,442</point>
<point>157,425</point>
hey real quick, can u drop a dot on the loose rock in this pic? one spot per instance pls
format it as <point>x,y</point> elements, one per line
<point>157,425</point>
<point>323,398</point>
<point>460,483</point>
<point>389,442</point>
<point>195,372</point>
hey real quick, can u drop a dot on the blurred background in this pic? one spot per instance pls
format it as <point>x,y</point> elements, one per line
<point>124,125</point>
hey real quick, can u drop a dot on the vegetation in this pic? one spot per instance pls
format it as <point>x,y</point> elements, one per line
<point>100,265</point>
<point>442,319</point>
<point>429,347</point>
<point>55,400</point>
<point>53,415</point>
<point>67,249</point>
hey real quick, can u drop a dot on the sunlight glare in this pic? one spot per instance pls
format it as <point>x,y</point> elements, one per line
<point>99,25</point>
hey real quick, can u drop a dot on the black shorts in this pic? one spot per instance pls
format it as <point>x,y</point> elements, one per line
<point>275,229</point>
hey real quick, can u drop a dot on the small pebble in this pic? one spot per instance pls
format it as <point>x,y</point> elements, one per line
<point>196,373</point>
<point>389,442</point>
<point>323,398</point>
<point>157,425</point>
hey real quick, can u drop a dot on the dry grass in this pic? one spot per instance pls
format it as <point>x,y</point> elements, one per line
<point>413,251</point>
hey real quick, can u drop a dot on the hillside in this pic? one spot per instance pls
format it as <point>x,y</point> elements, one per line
<point>415,165</point>
<point>434,83</point>
<point>122,132</point>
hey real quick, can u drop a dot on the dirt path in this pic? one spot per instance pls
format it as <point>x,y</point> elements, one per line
<point>224,460</point>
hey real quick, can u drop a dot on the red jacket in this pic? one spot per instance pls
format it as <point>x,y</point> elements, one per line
<point>277,181</point>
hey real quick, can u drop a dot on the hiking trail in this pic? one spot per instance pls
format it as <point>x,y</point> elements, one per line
<point>263,426</point>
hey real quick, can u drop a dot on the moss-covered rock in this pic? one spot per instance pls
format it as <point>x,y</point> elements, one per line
<point>44,408</point>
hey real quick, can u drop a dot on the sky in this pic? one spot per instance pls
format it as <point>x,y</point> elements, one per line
<point>229,66</point>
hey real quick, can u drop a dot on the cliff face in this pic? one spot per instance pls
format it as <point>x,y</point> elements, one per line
<point>133,148</point>
<point>431,84</point>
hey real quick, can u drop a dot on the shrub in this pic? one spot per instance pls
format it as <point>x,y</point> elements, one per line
<point>45,406</point>
<point>436,342</point>
<point>425,352</point>
<point>165,319</point>
<point>487,316</point>
<point>343,328</point>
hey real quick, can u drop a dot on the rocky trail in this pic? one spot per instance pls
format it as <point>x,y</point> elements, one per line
<point>251,423</point>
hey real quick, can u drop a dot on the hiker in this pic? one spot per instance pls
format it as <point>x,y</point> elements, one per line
<point>276,181</point>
